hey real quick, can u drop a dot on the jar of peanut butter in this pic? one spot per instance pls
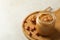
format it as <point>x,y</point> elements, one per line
<point>46,22</point>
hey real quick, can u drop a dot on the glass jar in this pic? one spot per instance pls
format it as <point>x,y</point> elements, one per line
<point>46,22</point>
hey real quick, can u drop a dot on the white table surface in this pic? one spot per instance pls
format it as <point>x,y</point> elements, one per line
<point>13,12</point>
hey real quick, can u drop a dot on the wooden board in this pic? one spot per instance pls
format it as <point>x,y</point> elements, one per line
<point>57,25</point>
<point>56,35</point>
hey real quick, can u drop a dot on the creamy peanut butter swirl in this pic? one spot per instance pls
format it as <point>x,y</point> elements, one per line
<point>46,18</point>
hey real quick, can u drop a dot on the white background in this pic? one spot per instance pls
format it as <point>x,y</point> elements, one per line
<point>13,12</point>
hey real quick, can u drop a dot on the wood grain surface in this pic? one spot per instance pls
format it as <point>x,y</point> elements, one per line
<point>56,34</point>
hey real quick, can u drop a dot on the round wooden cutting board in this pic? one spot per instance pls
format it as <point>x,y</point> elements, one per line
<point>33,33</point>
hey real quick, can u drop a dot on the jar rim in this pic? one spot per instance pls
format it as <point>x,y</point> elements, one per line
<point>52,14</point>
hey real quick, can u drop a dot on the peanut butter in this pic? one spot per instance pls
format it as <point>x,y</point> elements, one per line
<point>46,18</point>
